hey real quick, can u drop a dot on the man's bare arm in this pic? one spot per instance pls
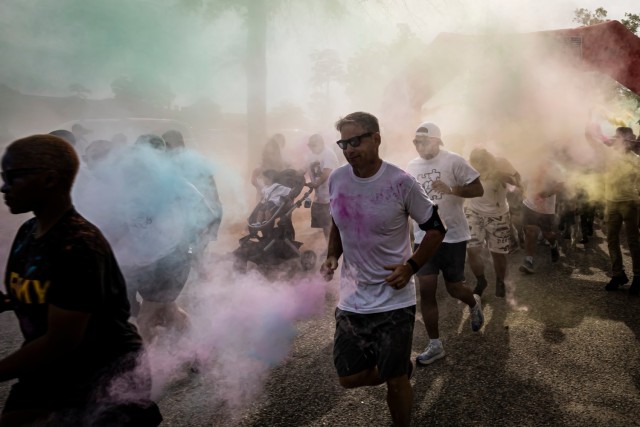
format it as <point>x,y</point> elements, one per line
<point>65,331</point>
<point>468,191</point>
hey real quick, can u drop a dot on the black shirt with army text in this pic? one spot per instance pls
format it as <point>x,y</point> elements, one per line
<point>73,268</point>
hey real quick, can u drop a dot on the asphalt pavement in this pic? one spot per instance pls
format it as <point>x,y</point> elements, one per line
<point>558,351</point>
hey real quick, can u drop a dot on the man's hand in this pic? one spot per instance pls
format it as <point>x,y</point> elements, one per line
<point>328,267</point>
<point>441,187</point>
<point>400,276</point>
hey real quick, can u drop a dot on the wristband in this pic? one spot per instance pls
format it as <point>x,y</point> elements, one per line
<point>413,265</point>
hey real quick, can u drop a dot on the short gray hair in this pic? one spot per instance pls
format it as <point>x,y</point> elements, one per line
<point>366,121</point>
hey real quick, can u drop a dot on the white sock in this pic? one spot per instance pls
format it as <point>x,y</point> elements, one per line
<point>435,342</point>
<point>529,258</point>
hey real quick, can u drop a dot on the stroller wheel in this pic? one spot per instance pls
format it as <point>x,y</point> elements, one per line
<point>308,260</point>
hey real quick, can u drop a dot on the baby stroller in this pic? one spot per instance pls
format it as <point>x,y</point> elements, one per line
<point>271,239</point>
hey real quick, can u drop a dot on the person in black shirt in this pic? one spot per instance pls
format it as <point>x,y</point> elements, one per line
<point>82,362</point>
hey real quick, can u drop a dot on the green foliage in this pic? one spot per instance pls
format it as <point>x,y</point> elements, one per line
<point>53,44</point>
<point>586,17</point>
<point>632,22</point>
<point>327,68</point>
<point>381,62</point>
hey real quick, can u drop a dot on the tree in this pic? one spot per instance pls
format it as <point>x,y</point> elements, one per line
<point>585,17</point>
<point>256,14</point>
<point>327,69</point>
<point>632,22</point>
<point>363,82</point>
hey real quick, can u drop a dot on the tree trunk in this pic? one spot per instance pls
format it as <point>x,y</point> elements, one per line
<point>256,63</point>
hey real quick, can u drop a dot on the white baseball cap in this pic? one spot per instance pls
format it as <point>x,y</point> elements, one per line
<point>429,129</point>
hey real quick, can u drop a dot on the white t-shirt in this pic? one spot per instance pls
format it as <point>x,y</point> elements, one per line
<point>493,201</point>
<point>453,170</point>
<point>372,215</point>
<point>316,163</point>
<point>546,177</point>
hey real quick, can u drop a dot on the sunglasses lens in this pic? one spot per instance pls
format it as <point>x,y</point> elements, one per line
<point>354,141</point>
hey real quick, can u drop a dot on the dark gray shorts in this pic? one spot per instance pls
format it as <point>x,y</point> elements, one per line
<point>320,215</point>
<point>450,259</point>
<point>363,341</point>
<point>544,221</point>
<point>163,280</point>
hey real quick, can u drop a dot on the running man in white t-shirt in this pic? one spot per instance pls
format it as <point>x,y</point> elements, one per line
<point>371,203</point>
<point>488,218</point>
<point>448,179</point>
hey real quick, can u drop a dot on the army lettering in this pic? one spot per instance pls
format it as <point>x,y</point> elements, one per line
<point>28,291</point>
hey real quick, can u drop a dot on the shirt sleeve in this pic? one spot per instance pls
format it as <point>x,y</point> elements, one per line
<point>464,173</point>
<point>419,206</point>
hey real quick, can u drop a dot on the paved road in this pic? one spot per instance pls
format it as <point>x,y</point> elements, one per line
<point>560,352</point>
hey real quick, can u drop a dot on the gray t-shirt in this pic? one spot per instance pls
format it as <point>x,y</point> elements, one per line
<point>372,215</point>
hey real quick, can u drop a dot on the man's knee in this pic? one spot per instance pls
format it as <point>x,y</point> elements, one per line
<point>454,288</point>
<point>427,284</point>
<point>398,384</point>
<point>352,381</point>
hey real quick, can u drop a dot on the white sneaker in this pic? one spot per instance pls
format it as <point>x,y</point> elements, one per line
<point>432,353</point>
<point>477,317</point>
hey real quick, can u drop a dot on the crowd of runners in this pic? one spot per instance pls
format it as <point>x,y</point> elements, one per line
<point>119,227</point>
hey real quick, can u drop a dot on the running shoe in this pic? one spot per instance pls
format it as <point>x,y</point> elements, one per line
<point>432,353</point>
<point>527,267</point>
<point>617,281</point>
<point>477,317</point>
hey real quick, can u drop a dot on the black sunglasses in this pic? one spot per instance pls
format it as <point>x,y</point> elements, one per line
<point>12,174</point>
<point>354,141</point>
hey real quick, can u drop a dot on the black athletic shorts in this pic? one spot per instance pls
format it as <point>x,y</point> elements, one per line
<point>450,258</point>
<point>363,341</point>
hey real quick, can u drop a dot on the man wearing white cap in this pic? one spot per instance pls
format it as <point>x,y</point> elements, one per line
<point>448,179</point>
